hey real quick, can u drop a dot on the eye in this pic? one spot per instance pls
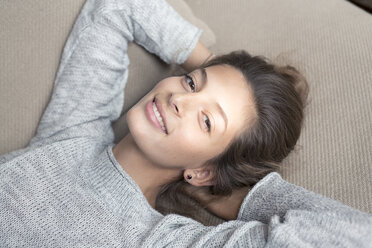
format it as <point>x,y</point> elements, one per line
<point>190,82</point>
<point>207,122</point>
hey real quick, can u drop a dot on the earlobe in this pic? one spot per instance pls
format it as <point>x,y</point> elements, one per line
<point>199,177</point>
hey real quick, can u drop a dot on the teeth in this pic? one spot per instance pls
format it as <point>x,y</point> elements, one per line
<point>158,116</point>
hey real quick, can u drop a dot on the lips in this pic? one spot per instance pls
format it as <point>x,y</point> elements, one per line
<point>150,114</point>
<point>162,113</point>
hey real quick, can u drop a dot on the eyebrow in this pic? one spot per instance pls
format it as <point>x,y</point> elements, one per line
<point>219,108</point>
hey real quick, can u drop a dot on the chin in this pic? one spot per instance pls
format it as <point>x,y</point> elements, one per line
<point>143,134</point>
<point>135,123</point>
<point>149,141</point>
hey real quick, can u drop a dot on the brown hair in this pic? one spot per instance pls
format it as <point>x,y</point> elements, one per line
<point>280,94</point>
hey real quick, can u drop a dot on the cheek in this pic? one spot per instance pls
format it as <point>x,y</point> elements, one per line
<point>188,144</point>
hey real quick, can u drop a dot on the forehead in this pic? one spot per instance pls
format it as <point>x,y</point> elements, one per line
<point>225,74</point>
<point>228,87</point>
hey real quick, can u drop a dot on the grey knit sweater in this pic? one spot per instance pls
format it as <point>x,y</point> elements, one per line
<point>66,189</point>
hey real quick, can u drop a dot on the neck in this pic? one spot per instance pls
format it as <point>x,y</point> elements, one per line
<point>148,176</point>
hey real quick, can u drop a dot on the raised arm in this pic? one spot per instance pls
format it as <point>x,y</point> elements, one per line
<point>89,87</point>
<point>274,213</point>
<point>199,55</point>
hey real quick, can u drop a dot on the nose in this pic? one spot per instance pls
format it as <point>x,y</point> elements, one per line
<point>181,103</point>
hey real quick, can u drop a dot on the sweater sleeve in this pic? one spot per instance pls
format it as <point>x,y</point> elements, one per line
<point>274,196</point>
<point>88,93</point>
<point>275,213</point>
<point>178,231</point>
<point>299,217</point>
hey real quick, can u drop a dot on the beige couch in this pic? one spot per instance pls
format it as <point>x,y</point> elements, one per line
<point>330,41</point>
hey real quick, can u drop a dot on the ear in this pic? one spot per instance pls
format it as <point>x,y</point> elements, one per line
<point>202,176</point>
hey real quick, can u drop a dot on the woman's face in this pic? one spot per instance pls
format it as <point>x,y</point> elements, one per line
<point>190,105</point>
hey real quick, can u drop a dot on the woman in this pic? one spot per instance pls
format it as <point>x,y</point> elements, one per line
<point>72,186</point>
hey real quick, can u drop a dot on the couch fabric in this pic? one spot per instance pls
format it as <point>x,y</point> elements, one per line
<point>329,41</point>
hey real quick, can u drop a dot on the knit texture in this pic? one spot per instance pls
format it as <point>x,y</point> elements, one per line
<point>66,188</point>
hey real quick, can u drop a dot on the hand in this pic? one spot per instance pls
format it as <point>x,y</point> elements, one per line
<point>225,207</point>
<point>198,56</point>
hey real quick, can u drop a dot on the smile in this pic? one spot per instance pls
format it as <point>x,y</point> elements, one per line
<point>155,115</point>
<point>158,116</point>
